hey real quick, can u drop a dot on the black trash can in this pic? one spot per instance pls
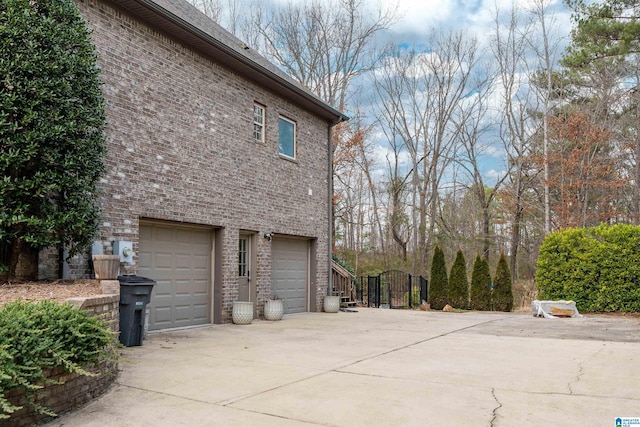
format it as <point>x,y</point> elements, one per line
<point>135,294</point>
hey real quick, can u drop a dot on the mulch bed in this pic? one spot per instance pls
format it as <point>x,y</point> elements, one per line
<point>58,290</point>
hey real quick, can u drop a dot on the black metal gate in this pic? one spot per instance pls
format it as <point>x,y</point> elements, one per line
<point>392,289</point>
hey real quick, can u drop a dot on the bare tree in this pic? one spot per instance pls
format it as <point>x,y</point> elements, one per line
<point>474,135</point>
<point>211,8</point>
<point>546,47</point>
<point>419,93</point>
<point>323,45</point>
<point>509,47</point>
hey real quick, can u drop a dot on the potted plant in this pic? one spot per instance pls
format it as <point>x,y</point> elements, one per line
<point>273,308</point>
<point>106,267</point>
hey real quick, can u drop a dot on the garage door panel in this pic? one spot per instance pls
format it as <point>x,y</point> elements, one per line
<point>290,273</point>
<point>161,289</point>
<point>182,296</point>
<point>201,262</point>
<point>161,317</point>
<point>163,260</point>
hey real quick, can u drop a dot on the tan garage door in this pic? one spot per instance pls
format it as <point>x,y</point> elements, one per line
<point>179,259</point>
<point>290,273</point>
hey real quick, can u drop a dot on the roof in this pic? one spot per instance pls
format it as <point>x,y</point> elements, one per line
<point>340,269</point>
<point>187,24</point>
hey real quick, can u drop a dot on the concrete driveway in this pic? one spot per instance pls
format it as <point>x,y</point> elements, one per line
<point>380,367</point>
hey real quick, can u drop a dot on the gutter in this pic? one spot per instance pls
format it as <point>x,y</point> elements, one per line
<point>330,213</point>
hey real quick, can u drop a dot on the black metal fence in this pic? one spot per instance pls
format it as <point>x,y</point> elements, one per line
<point>392,289</point>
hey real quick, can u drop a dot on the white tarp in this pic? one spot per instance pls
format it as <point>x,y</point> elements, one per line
<point>554,309</point>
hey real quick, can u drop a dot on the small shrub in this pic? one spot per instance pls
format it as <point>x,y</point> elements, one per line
<point>458,290</point>
<point>438,281</point>
<point>480,285</point>
<point>415,297</point>
<point>502,290</point>
<point>35,337</point>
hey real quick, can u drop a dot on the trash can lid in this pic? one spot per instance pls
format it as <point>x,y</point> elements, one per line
<point>133,278</point>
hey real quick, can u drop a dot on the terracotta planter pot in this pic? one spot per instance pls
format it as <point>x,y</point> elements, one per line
<point>273,309</point>
<point>106,267</point>
<point>242,313</point>
<point>331,304</point>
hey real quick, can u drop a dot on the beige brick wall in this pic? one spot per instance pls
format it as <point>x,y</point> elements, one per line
<point>181,148</point>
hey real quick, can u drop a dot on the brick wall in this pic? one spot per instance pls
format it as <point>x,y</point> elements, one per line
<point>181,148</point>
<point>77,389</point>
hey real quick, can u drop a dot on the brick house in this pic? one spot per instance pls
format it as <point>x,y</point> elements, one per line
<point>218,165</point>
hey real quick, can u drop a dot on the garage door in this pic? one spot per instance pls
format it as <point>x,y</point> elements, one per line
<point>179,259</point>
<point>290,272</point>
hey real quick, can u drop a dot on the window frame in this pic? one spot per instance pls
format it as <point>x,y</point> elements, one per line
<point>262,125</point>
<point>295,138</point>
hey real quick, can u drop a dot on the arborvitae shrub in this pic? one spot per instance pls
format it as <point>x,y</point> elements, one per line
<point>458,289</point>
<point>438,281</point>
<point>502,290</point>
<point>480,285</point>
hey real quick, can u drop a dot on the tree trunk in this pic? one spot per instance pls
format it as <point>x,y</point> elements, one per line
<point>13,256</point>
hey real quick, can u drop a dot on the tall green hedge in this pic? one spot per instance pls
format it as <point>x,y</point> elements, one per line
<point>438,281</point>
<point>458,290</point>
<point>502,298</point>
<point>480,285</point>
<point>598,268</point>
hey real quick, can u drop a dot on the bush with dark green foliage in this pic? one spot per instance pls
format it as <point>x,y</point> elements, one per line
<point>502,286</point>
<point>438,281</point>
<point>480,285</point>
<point>598,268</point>
<point>458,289</point>
<point>51,128</point>
<point>35,337</point>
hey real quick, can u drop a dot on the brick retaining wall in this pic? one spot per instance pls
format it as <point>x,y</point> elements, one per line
<point>77,389</point>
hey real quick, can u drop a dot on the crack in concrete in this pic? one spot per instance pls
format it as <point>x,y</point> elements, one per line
<point>496,409</point>
<point>581,369</point>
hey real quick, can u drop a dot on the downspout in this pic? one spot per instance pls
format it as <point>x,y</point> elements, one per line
<point>330,207</point>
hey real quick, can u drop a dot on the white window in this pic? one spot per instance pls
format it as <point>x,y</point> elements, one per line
<point>258,122</point>
<point>287,137</point>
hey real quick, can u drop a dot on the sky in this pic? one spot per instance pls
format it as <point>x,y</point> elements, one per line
<point>476,16</point>
<point>419,18</point>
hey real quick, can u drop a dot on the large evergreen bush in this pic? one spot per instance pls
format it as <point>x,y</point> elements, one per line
<point>458,289</point>
<point>598,268</point>
<point>480,285</point>
<point>502,290</point>
<point>51,128</point>
<point>438,281</point>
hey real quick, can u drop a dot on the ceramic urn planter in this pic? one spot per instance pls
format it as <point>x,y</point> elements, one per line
<point>273,309</point>
<point>242,313</point>
<point>331,304</point>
